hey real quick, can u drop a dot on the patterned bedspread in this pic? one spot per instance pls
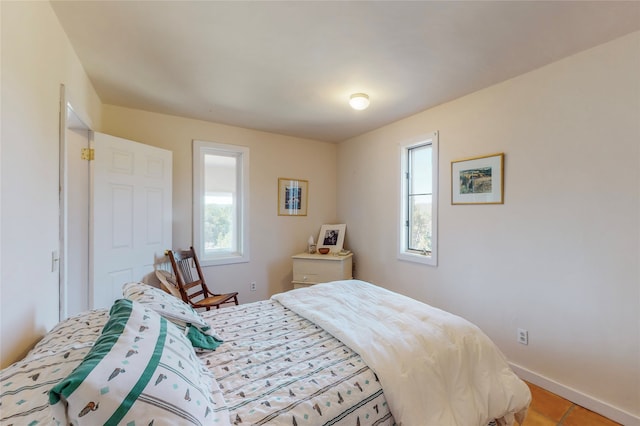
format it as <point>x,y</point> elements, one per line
<point>274,368</point>
<point>277,368</point>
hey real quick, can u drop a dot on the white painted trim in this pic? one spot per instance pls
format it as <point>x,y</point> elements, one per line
<point>587,401</point>
<point>69,119</point>
<point>403,253</point>
<point>243,253</point>
<point>62,205</point>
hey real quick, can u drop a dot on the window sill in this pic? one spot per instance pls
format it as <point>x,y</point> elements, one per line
<point>224,260</point>
<point>418,258</point>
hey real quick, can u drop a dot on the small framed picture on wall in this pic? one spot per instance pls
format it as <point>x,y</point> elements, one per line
<point>478,180</point>
<point>293,195</point>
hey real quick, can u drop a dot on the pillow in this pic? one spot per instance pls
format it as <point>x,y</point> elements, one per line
<point>26,383</point>
<point>77,331</point>
<point>175,310</point>
<point>141,370</point>
<point>168,281</point>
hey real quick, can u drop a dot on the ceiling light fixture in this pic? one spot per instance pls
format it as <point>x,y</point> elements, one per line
<point>359,101</point>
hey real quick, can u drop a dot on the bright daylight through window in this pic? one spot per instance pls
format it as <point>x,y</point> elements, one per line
<point>419,196</point>
<point>220,206</point>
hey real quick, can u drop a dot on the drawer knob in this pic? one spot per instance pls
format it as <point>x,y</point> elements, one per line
<point>304,278</point>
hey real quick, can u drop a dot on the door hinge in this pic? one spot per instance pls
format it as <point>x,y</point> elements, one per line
<point>88,154</point>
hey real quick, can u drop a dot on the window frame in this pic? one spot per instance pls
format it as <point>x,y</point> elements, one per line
<point>241,255</point>
<point>404,253</point>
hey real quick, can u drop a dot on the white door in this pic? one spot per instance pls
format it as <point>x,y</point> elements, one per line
<point>131,214</point>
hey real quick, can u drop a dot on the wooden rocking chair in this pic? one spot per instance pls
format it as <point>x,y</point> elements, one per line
<point>191,284</point>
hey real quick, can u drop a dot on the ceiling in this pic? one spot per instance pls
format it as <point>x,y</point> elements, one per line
<point>289,67</point>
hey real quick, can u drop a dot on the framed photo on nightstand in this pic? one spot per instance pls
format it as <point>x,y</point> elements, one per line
<point>332,237</point>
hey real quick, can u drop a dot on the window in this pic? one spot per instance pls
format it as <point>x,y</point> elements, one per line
<point>419,200</point>
<point>220,203</point>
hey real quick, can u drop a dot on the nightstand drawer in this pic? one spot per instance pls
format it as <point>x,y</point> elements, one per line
<point>304,277</point>
<point>312,269</point>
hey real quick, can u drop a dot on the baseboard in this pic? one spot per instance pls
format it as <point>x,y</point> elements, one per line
<point>577,397</point>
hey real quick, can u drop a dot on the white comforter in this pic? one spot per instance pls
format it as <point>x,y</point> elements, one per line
<point>436,368</point>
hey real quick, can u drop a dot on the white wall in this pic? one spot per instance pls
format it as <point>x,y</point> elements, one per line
<point>561,256</point>
<point>36,59</point>
<point>273,239</point>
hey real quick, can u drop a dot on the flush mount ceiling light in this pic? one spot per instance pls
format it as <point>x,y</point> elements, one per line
<point>359,101</point>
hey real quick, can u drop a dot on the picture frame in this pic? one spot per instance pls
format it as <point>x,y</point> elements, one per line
<point>332,237</point>
<point>478,180</point>
<point>293,196</point>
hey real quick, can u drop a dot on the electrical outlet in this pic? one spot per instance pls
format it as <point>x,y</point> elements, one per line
<point>253,286</point>
<point>523,336</point>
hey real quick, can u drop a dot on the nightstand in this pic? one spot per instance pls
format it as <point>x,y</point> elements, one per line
<point>310,269</point>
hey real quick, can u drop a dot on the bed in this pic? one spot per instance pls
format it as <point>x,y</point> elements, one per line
<point>340,353</point>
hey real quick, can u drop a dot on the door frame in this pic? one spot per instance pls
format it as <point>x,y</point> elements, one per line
<point>69,118</point>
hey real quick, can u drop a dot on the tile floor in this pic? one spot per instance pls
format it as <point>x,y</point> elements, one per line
<point>548,409</point>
